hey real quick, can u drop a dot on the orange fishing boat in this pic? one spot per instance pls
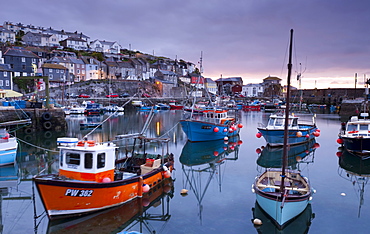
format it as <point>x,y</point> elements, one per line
<point>91,178</point>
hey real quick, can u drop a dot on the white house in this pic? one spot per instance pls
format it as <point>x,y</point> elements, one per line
<point>74,43</point>
<point>6,35</point>
<point>105,46</point>
<point>252,90</point>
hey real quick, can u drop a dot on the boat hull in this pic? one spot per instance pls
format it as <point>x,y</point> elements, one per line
<point>357,145</point>
<point>205,131</point>
<point>275,137</point>
<point>8,151</point>
<point>63,198</point>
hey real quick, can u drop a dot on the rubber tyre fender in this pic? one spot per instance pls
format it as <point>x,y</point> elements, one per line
<point>46,116</point>
<point>47,125</point>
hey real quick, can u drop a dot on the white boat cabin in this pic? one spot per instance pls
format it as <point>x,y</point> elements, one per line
<point>86,160</point>
<point>278,122</point>
<point>358,127</point>
<point>218,116</point>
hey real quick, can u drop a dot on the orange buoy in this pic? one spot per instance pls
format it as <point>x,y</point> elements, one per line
<point>298,134</point>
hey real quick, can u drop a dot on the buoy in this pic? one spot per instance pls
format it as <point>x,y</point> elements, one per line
<point>339,154</point>
<point>215,153</point>
<point>106,180</point>
<point>225,129</point>
<point>343,194</point>
<point>240,142</point>
<point>316,145</point>
<point>307,135</point>
<point>340,141</point>
<point>318,130</point>
<point>240,125</point>
<point>226,138</point>
<point>298,134</point>
<point>316,134</point>
<point>225,148</point>
<point>167,174</point>
<point>257,222</point>
<point>146,188</point>
<point>216,129</point>
<point>165,168</point>
<point>231,130</point>
<point>298,158</point>
<point>258,135</point>
<point>258,150</point>
<point>184,192</point>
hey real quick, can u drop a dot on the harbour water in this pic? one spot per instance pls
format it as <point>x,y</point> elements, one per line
<point>219,197</point>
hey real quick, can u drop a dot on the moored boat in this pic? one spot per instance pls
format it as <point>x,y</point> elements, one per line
<point>91,179</point>
<point>212,125</point>
<point>8,148</point>
<point>298,132</point>
<point>283,193</point>
<point>355,135</point>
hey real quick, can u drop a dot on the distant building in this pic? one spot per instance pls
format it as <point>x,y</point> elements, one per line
<point>57,73</point>
<point>6,81</point>
<point>22,62</point>
<point>74,43</point>
<point>6,35</point>
<point>105,46</point>
<point>225,85</point>
<point>252,90</point>
<point>39,39</point>
<point>210,85</point>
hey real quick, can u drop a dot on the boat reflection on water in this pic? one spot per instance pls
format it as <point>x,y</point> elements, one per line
<point>201,158</point>
<point>271,157</point>
<point>135,215</point>
<point>300,224</point>
<point>356,170</point>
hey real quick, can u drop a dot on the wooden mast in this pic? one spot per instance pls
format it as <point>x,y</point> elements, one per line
<point>285,147</point>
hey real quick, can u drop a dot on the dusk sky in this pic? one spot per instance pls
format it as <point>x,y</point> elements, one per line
<point>238,38</point>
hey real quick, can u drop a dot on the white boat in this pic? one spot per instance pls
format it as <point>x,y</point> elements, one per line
<point>283,194</point>
<point>8,148</point>
<point>75,109</point>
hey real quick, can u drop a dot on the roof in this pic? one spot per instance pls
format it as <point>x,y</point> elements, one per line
<point>53,65</point>
<point>272,78</point>
<point>20,52</point>
<point>230,79</point>
<point>209,80</point>
<point>5,67</point>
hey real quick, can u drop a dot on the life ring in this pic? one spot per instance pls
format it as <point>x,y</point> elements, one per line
<point>48,134</point>
<point>46,116</point>
<point>47,125</point>
<point>28,130</point>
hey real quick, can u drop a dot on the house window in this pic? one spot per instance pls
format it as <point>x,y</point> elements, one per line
<point>1,83</point>
<point>57,70</point>
<point>7,83</point>
<point>50,76</point>
<point>78,65</point>
<point>78,71</point>
<point>24,67</point>
<point>23,59</point>
<point>50,70</point>
<point>5,74</point>
<point>61,71</point>
<point>33,60</point>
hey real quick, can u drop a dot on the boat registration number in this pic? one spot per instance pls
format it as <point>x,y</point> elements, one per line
<point>206,127</point>
<point>78,193</point>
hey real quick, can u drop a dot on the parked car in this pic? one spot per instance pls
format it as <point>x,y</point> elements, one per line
<point>124,95</point>
<point>83,95</point>
<point>112,95</point>
<point>72,95</point>
<point>145,95</point>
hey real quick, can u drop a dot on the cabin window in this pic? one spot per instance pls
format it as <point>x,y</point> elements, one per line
<point>363,127</point>
<point>61,159</point>
<point>101,160</point>
<point>88,160</point>
<point>72,158</point>
<point>352,127</point>
<point>295,122</point>
<point>279,122</point>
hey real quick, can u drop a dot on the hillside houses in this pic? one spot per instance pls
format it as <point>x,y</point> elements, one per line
<point>69,57</point>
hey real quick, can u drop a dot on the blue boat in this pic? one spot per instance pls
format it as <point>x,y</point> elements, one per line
<point>298,132</point>
<point>211,125</point>
<point>8,148</point>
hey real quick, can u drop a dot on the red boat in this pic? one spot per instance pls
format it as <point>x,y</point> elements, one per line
<point>174,106</point>
<point>91,179</point>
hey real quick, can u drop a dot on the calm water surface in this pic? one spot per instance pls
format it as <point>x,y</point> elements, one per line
<point>219,198</point>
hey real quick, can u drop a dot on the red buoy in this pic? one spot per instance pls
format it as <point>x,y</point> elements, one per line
<point>216,129</point>
<point>258,135</point>
<point>340,141</point>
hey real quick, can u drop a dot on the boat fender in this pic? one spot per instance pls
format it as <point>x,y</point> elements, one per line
<point>167,174</point>
<point>165,168</point>
<point>46,116</point>
<point>257,222</point>
<point>47,125</point>
<point>146,188</point>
